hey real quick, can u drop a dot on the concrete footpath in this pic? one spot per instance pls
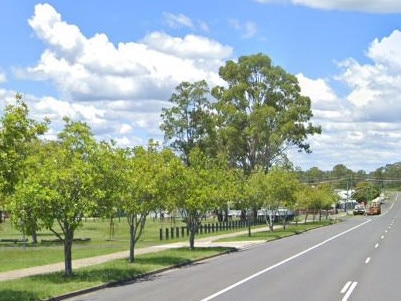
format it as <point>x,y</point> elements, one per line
<point>210,241</point>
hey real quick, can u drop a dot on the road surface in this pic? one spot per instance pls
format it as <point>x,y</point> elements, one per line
<point>357,259</point>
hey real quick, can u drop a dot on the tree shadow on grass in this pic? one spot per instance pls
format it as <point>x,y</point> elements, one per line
<point>17,295</point>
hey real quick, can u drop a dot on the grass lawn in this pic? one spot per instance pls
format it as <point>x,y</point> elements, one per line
<point>277,233</point>
<point>20,255</point>
<point>43,287</point>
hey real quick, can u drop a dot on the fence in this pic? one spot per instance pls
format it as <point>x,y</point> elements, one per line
<point>183,231</point>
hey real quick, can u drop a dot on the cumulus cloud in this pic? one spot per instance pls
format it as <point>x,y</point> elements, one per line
<point>93,68</point>
<point>108,85</point>
<point>119,90</point>
<point>374,6</point>
<point>362,127</point>
<point>82,66</point>
<point>376,87</point>
<point>3,77</point>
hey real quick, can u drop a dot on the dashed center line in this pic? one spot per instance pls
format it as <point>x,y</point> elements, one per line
<point>367,260</point>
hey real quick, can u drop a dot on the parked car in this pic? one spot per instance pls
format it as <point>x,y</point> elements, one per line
<point>359,210</point>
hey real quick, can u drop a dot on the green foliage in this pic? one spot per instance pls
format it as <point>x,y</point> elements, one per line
<point>261,113</point>
<point>316,197</point>
<point>365,191</point>
<point>17,133</point>
<point>188,123</point>
<point>57,190</point>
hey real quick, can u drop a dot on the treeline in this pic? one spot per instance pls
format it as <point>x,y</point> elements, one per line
<point>341,177</point>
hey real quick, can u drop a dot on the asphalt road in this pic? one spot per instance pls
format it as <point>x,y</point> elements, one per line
<point>358,259</point>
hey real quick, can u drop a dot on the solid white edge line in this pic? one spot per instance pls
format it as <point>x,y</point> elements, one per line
<point>228,288</point>
<point>349,292</point>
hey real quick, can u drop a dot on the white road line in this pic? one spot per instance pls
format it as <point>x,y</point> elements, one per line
<point>349,291</point>
<point>382,237</point>
<point>228,288</point>
<point>376,246</point>
<point>367,260</point>
<point>345,287</point>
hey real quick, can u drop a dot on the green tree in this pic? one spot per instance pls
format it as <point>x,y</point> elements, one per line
<point>110,168</point>
<point>23,204</point>
<point>343,175</point>
<point>366,191</point>
<point>261,113</point>
<point>314,175</point>
<point>18,134</point>
<point>147,176</point>
<point>17,131</point>
<point>195,190</point>
<point>281,188</point>
<point>316,198</point>
<point>62,185</point>
<point>188,122</point>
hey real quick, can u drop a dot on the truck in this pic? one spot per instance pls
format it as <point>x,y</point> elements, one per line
<point>374,208</point>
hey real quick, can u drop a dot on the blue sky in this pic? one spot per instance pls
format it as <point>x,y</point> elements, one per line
<point>114,64</point>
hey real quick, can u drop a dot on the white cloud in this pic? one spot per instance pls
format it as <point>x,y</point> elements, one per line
<point>177,20</point>
<point>362,128</point>
<point>119,90</point>
<point>93,68</point>
<point>107,85</point>
<point>3,77</point>
<point>376,87</point>
<point>376,6</point>
<point>247,29</point>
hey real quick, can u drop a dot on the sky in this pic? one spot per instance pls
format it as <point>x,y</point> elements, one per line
<point>115,64</point>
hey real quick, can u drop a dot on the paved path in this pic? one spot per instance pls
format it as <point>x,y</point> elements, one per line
<point>79,263</point>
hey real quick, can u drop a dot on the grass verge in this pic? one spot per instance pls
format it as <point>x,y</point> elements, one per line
<point>47,286</point>
<point>277,233</point>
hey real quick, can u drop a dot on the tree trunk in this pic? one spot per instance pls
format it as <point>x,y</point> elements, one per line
<point>34,236</point>
<point>131,257</point>
<point>111,228</point>
<point>271,222</point>
<point>191,238</point>
<point>193,228</point>
<point>68,240</point>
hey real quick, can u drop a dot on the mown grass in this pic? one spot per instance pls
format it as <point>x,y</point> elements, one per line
<point>47,286</point>
<point>278,233</point>
<point>18,256</point>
